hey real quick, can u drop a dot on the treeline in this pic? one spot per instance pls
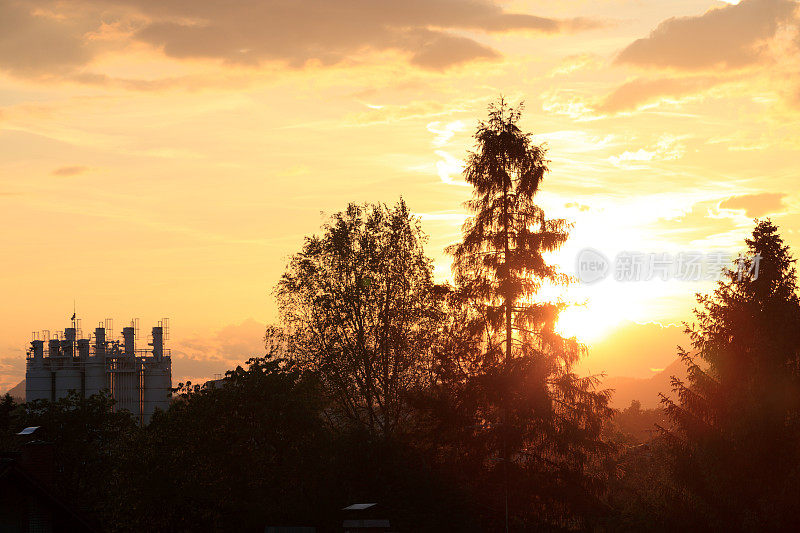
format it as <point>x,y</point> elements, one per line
<point>454,405</point>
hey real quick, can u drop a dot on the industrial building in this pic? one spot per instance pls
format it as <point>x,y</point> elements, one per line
<point>139,380</point>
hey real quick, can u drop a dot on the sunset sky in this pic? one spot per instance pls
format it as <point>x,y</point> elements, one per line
<point>163,158</point>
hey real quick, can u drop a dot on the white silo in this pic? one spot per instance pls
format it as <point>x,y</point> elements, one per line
<point>157,378</point>
<point>38,384</point>
<point>125,382</point>
<point>96,377</point>
<point>68,378</point>
<point>38,378</point>
<point>126,375</point>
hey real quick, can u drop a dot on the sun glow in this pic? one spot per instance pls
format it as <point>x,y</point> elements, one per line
<point>586,325</point>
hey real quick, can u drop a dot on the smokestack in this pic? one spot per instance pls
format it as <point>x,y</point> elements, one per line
<point>54,347</point>
<point>129,336</point>
<point>83,348</point>
<point>99,341</point>
<point>37,348</point>
<point>158,343</point>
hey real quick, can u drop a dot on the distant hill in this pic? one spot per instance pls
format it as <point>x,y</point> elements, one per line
<point>643,389</point>
<point>18,391</point>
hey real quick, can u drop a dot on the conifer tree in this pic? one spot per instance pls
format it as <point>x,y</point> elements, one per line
<point>544,421</point>
<point>737,416</point>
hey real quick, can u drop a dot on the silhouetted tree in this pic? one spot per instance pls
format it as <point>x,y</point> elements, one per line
<point>360,309</point>
<point>236,455</point>
<point>735,447</point>
<point>634,425</point>
<point>7,405</point>
<point>7,408</point>
<point>540,418</point>
<point>85,433</point>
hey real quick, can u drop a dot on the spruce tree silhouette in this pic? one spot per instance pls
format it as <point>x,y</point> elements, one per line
<point>545,420</point>
<point>737,416</point>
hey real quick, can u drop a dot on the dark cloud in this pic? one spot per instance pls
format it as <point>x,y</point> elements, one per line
<point>35,42</point>
<point>755,205</point>
<point>250,31</point>
<point>723,45</point>
<point>39,36</point>
<point>728,37</point>
<point>439,50</point>
<point>70,170</point>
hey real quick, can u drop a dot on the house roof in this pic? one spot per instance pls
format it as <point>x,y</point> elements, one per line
<point>359,506</point>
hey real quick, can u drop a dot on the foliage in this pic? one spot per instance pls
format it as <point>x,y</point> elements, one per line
<point>453,406</point>
<point>738,414</point>
<point>634,425</point>
<point>229,457</point>
<point>540,420</point>
<point>359,305</point>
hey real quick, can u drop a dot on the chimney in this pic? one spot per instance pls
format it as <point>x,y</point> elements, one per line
<point>83,348</point>
<point>54,348</point>
<point>129,336</point>
<point>158,343</point>
<point>100,342</point>
<point>38,349</point>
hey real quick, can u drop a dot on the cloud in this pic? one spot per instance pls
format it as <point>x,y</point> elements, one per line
<point>303,31</point>
<point>576,62</point>
<point>47,37</point>
<point>386,114</point>
<point>12,368</point>
<point>218,351</point>
<point>72,170</point>
<point>667,148</point>
<point>641,91</point>
<point>438,51</point>
<point>754,41</point>
<point>577,205</point>
<point>33,42</point>
<point>729,37</point>
<point>445,132</point>
<point>755,205</point>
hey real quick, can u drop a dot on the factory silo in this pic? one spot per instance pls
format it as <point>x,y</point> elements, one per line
<point>68,378</point>
<point>126,375</point>
<point>38,377</point>
<point>156,377</point>
<point>66,369</point>
<point>95,367</point>
<point>157,387</point>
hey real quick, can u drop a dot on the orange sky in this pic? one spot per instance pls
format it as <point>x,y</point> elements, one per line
<point>163,158</point>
